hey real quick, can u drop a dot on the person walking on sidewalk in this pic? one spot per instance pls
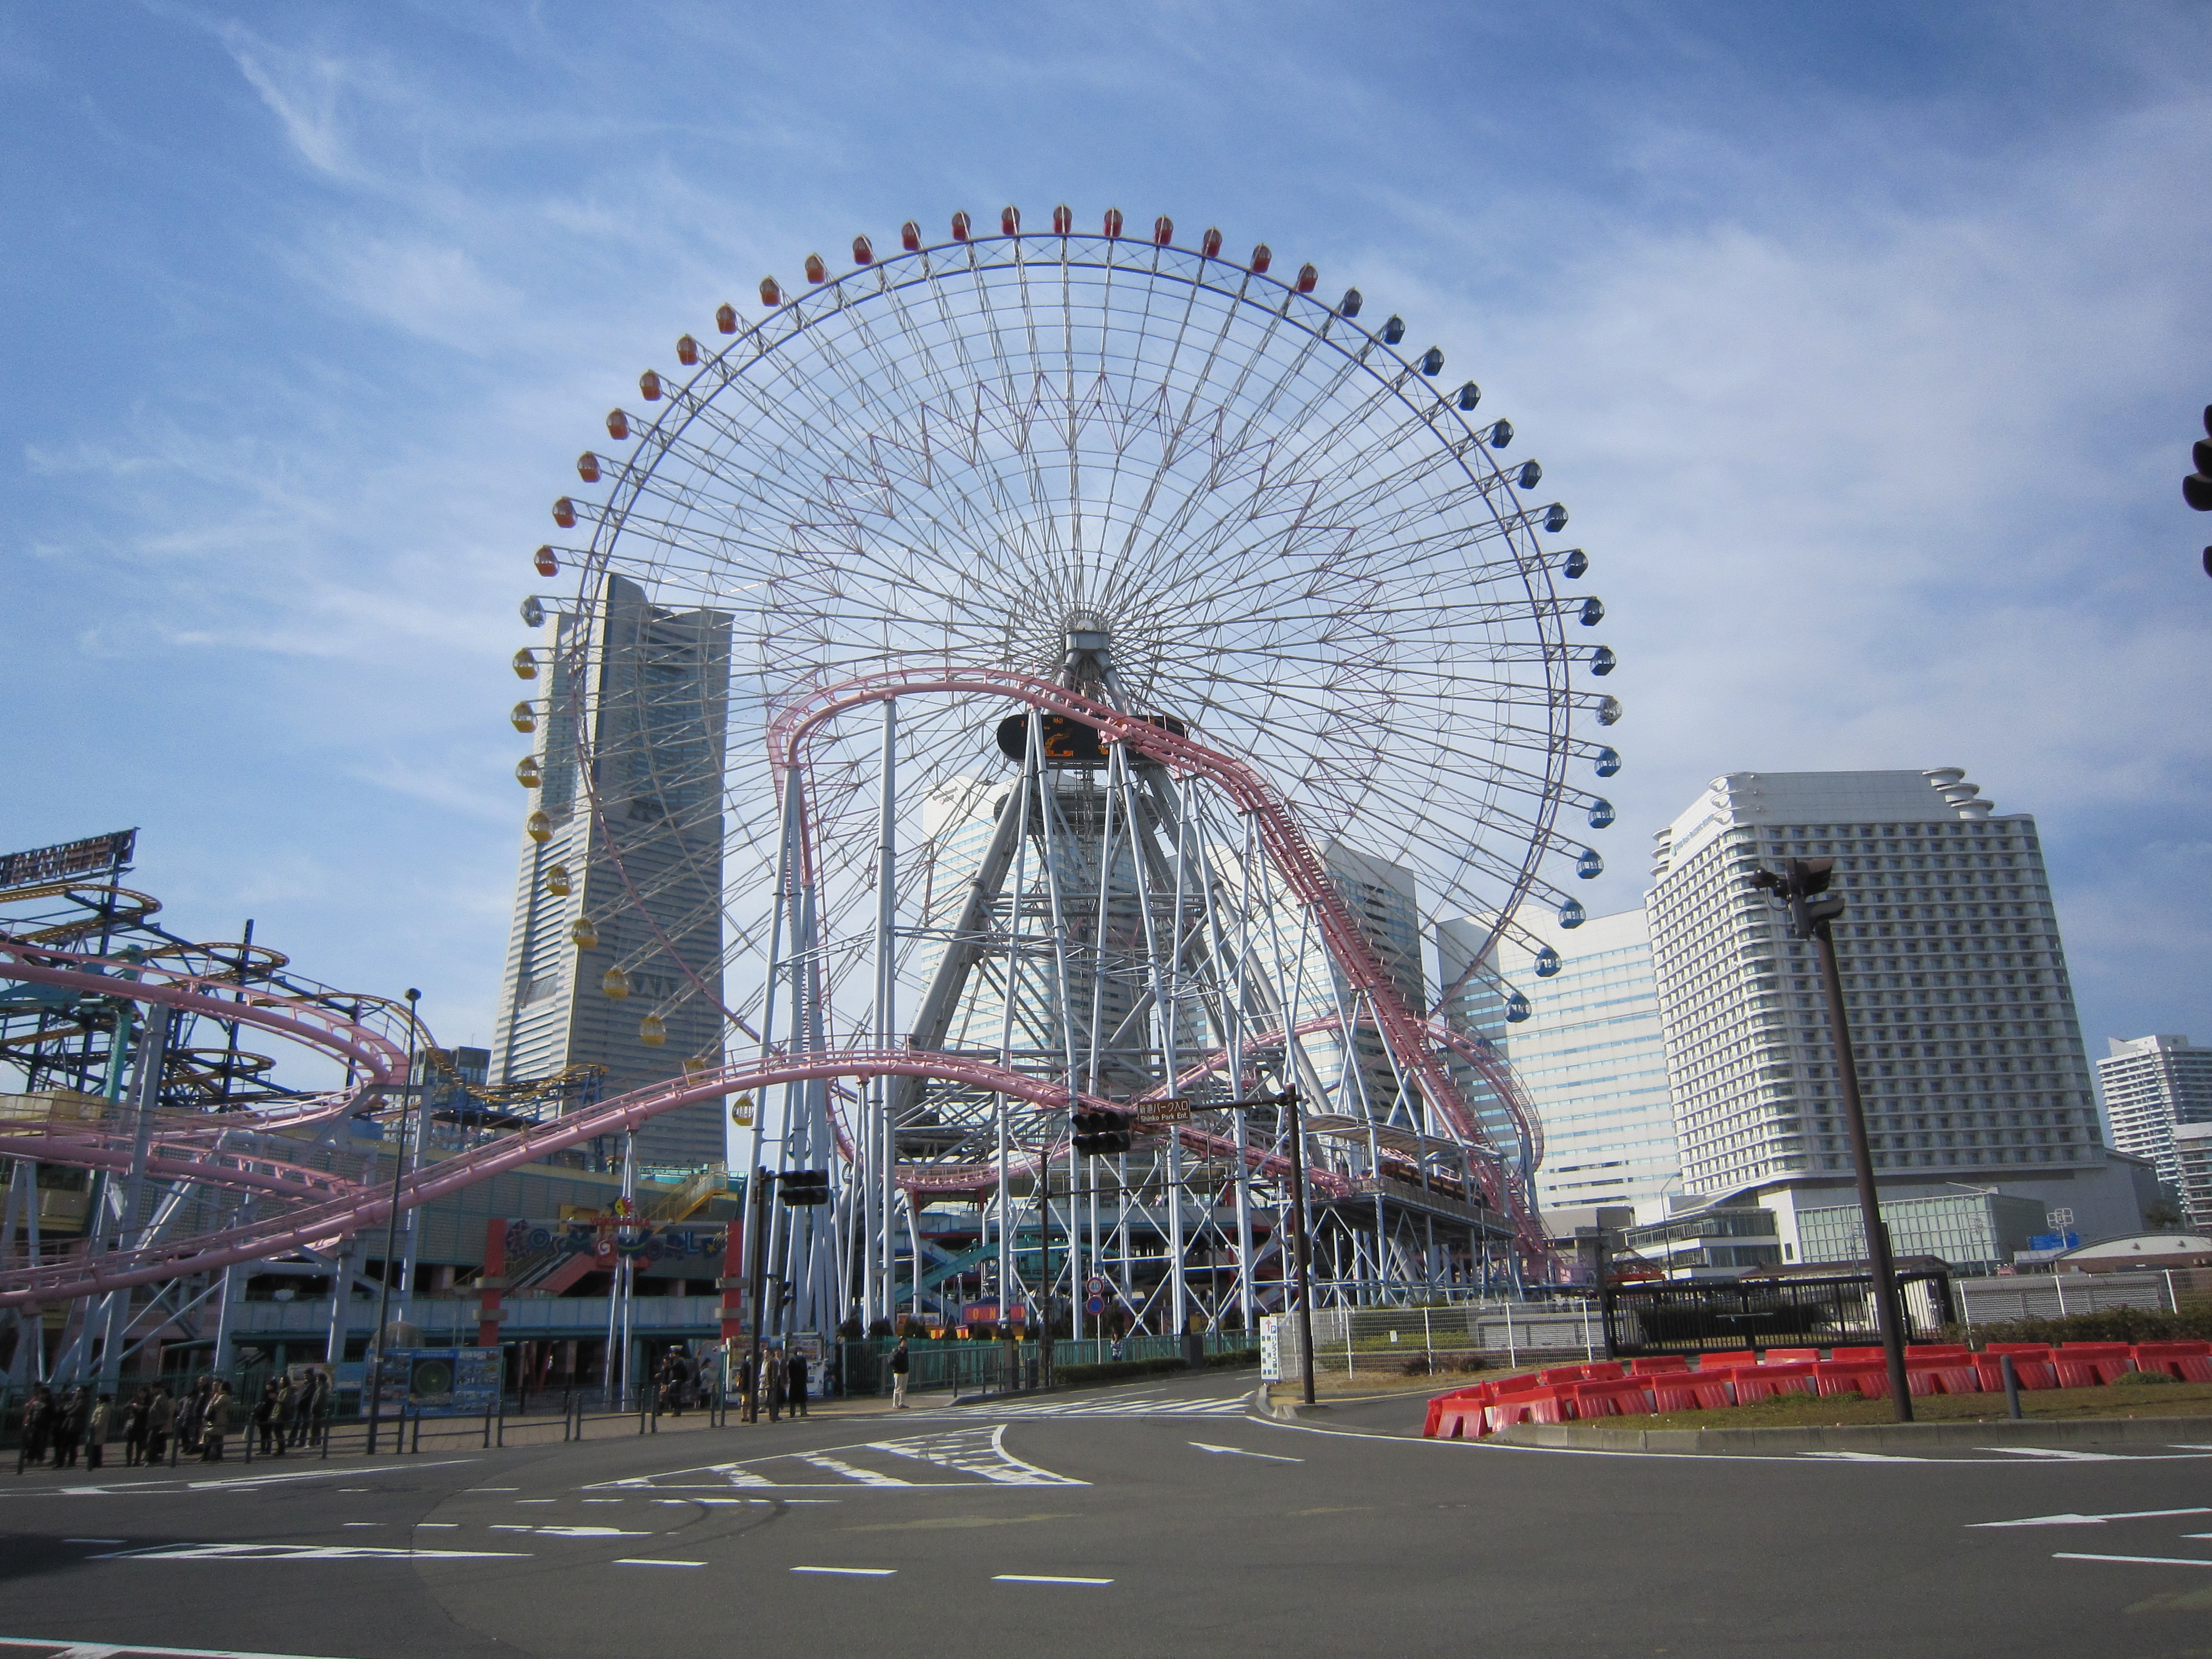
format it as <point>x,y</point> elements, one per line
<point>96,1429</point>
<point>899,1363</point>
<point>795,1381</point>
<point>160,1421</point>
<point>772,1366</point>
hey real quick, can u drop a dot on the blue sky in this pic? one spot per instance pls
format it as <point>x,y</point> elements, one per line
<point>1866,344</point>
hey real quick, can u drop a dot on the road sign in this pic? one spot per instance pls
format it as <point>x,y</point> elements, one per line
<point>1154,1114</point>
<point>1096,1304</point>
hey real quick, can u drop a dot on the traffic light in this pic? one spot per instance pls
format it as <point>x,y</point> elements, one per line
<point>800,1188</point>
<point>1100,1134</point>
<point>2196,487</point>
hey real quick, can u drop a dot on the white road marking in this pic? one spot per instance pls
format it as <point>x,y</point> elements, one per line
<point>643,1561</point>
<point>1042,1578</point>
<point>978,1452</point>
<point>850,1472</point>
<point>294,1553</point>
<point>589,1532</point>
<point>445,1525</point>
<point>95,1541</point>
<point>364,1523</point>
<point>232,1483</point>
<point>90,1647</point>
<point>1863,1457</point>
<point>2056,1456</point>
<point>853,1573</point>
<point>537,1500</point>
<point>2091,1519</point>
<point>1239,1451</point>
<point>2145,1560</point>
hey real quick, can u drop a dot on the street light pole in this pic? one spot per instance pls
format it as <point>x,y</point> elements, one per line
<point>1813,917</point>
<point>375,1367</point>
<point>1302,1258</point>
<point>1289,1098</point>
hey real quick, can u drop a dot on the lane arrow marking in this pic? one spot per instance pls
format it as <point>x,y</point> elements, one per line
<point>1239,1451</point>
<point>2089,1520</point>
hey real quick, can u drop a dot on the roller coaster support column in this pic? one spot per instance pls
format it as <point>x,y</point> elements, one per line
<point>491,1282</point>
<point>374,1372</point>
<point>145,1099</point>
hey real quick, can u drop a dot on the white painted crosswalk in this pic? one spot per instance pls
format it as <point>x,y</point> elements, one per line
<point>952,1458</point>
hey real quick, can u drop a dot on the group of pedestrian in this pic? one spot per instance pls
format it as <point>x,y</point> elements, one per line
<point>60,1426</point>
<point>287,1415</point>
<point>290,1415</point>
<point>781,1382</point>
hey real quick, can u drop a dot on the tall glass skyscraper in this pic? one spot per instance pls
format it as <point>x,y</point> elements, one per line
<point>1591,1056</point>
<point>657,701</point>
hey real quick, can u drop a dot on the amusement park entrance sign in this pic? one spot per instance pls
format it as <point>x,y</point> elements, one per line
<point>1158,1113</point>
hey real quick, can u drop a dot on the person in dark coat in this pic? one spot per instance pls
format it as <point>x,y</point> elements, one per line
<point>795,1370</point>
<point>96,1422</point>
<point>134,1428</point>
<point>69,1428</point>
<point>899,1363</point>
<point>774,1367</point>
<point>37,1427</point>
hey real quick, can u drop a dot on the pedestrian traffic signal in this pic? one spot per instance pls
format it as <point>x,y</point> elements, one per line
<point>2196,487</point>
<point>800,1188</point>
<point>1100,1134</point>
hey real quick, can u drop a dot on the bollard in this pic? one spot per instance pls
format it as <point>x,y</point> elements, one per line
<point>2012,1385</point>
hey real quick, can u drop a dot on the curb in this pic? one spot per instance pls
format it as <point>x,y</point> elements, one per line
<point>1899,1437</point>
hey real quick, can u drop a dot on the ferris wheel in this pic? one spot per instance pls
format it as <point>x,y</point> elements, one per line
<point>945,641</point>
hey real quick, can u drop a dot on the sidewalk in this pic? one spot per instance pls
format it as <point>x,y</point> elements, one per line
<point>349,1436</point>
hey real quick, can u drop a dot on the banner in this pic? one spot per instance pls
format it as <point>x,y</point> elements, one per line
<point>69,858</point>
<point>439,1381</point>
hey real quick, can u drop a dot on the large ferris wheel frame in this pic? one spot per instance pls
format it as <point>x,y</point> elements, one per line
<point>672,520</point>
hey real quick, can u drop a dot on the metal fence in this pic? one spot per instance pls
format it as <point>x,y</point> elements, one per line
<point>2055,1296</point>
<point>1001,1368</point>
<point>1717,1317</point>
<point>1440,1340</point>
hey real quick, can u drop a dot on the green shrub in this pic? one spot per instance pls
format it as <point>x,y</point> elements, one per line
<point>2136,1377</point>
<point>2103,1325</point>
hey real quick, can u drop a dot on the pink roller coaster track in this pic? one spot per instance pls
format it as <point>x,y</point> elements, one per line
<point>1412,1039</point>
<point>332,1208</point>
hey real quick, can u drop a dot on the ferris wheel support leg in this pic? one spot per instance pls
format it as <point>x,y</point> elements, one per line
<point>880,1144</point>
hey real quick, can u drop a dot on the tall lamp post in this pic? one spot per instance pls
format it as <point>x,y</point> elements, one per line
<point>391,1237</point>
<point>1800,887</point>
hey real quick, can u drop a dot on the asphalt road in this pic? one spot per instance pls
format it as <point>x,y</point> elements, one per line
<point>973,1530</point>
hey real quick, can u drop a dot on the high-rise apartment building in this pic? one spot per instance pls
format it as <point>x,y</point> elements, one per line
<point>1591,1057</point>
<point>1969,1053</point>
<point>657,704</point>
<point>2153,1086</point>
<point>2192,1171</point>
